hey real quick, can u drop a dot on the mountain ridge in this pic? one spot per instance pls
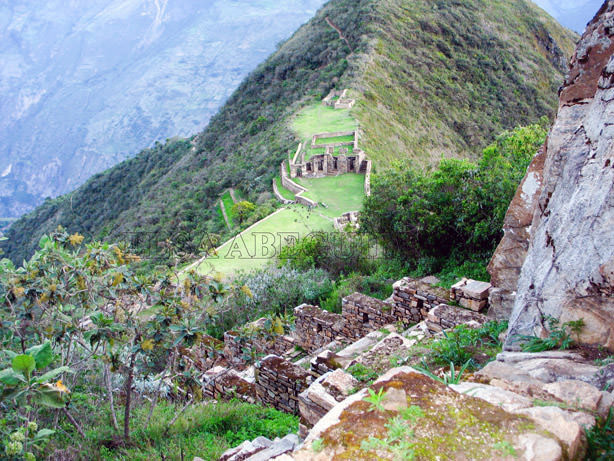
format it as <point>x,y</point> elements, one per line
<point>170,190</point>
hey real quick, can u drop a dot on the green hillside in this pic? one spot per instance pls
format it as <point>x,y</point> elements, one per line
<point>431,78</point>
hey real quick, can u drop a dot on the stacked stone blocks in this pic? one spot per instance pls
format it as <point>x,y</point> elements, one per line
<point>279,383</point>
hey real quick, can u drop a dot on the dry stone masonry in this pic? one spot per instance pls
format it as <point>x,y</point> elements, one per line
<point>316,327</point>
<point>413,299</point>
<point>363,314</point>
<point>471,294</point>
<point>279,382</point>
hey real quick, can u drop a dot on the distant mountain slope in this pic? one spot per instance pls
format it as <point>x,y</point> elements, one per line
<point>88,83</point>
<point>431,79</point>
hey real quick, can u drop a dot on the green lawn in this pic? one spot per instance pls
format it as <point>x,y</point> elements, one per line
<point>334,140</point>
<point>340,193</point>
<point>251,249</point>
<point>319,118</point>
<point>285,193</point>
<point>228,204</point>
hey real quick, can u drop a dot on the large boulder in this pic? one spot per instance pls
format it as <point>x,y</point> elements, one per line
<point>568,270</point>
<point>417,416</point>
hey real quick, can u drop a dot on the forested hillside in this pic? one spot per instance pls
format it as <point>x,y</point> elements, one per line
<point>431,79</point>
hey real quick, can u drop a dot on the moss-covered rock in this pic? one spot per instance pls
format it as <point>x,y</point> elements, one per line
<point>433,422</point>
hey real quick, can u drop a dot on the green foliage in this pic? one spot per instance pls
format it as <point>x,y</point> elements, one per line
<point>370,285</point>
<point>461,344</point>
<point>362,373</point>
<point>375,399</point>
<point>601,439</point>
<point>454,212</point>
<point>559,336</point>
<point>442,91</point>
<point>333,252</point>
<point>272,290</point>
<point>148,199</point>
<point>317,445</point>
<point>22,387</point>
<point>447,379</point>
<point>85,301</point>
<point>242,210</point>
<point>399,435</point>
<point>205,430</point>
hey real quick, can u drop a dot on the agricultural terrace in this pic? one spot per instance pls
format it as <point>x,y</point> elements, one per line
<point>253,248</point>
<point>318,118</point>
<point>259,244</point>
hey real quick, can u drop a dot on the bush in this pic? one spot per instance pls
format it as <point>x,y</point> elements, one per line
<point>274,290</point>
<point>334,252</point>
<point>455,211</point>
<point>460,345</point>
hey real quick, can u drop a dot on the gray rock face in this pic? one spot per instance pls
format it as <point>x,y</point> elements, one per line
<point>567,273</point>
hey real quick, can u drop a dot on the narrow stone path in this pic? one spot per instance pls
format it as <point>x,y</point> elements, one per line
<point>232,195</point>
<point>341,36</point>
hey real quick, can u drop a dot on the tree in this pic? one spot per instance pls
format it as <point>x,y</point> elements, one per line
<point>98,316</point>
<point>242,210</point>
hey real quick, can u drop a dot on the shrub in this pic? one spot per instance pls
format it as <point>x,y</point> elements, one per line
<point>455,211</point>
<point>333,252</point>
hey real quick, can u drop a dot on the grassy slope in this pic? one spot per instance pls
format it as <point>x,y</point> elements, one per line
<point>444,77</point>
<point>249,251</point>
<point>246,251</point>
<point>228,204</point>
<point>412,102</point>
<point>285,193</point>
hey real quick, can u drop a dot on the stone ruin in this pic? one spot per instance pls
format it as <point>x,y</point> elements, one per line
<point>279,382</point>
<point>329,163</point>
<point>276,380</point>
<point>349,218</point>
<point>339,100</point>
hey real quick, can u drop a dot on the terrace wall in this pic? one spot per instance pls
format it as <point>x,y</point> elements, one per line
<point>334,134</point>
<point>278,195</point>
<point>363,314</point>
<point>413,299</point>
<point>279,383</point>
<point>368,179</point>
<point>315,327</point>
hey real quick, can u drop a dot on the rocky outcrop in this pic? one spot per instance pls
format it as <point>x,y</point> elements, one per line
<point>506,263</point>
<point>419,417</point>
<point>568,270</point>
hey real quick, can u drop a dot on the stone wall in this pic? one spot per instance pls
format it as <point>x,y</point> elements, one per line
<point>363,314</point>
<point>413,299</point>
<point>279,383</point>
<point>315,327</point>
<point>241,349</point>
<point>334,134</point>
<point>287,182</point>
<point>322,395</point>
<point>444,317</point>
<point>279,197</point>
<point>351,217</point>
<point>226,384</point>
<point>368,179</point>
<point>471,294</point>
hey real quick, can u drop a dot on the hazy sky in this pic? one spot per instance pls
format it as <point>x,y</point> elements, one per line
<point>574,14</point>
